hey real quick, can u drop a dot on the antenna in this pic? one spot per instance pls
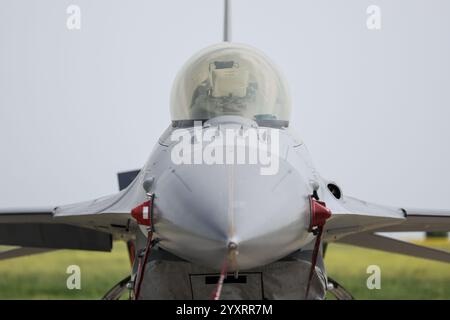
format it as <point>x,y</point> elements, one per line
<point>227,21</point>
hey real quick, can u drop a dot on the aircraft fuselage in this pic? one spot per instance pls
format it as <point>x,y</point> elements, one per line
<point>200,208</point>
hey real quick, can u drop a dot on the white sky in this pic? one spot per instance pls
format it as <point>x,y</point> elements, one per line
<point>76,107</point>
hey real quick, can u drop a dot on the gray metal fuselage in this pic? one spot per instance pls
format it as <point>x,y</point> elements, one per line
<point>201,208</point>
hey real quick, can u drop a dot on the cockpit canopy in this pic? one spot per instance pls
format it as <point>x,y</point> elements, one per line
<point>230,79</point>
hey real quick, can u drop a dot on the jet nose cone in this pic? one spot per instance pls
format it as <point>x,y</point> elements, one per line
<point>268,215</point>
<point>204,208</point>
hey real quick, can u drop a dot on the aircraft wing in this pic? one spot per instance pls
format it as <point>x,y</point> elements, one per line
<point>90,225</point>
<point>358,223</point>
<point>37,228</point>
<point>379,242</point>
<point>423,220</point>
<point>20,252</point>
<point>351,215</point>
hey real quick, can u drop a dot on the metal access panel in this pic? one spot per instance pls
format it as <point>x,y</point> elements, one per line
<point>247,286</point>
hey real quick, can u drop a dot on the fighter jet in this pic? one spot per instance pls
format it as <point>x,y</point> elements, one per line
<point>229,204</point>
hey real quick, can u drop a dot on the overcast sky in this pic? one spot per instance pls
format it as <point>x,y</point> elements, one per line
<point>77,106</point>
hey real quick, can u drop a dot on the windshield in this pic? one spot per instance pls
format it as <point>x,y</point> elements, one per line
<point>229,79</point>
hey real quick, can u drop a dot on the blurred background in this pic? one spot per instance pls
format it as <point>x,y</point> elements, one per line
<point>81,101</point>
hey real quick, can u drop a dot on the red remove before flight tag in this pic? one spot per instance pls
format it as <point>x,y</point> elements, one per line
<point>319,213</point>
<point>142,213</point>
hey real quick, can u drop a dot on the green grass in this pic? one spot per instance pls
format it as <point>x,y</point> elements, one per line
<point>44,276</point>
<point>402,277</point>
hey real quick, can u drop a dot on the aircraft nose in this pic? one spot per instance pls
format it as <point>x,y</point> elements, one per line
<point>204,208</point>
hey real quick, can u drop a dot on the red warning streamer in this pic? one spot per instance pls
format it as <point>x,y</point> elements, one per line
<point>230,257</point>
<point>218,291</point>
<point>319,216</point>
<point>141,267</point>
<point>144,216</point>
